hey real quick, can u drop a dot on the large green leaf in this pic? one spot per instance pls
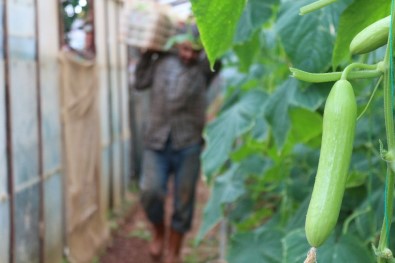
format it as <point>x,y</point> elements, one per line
<point>255,164</point>
<point>217,21</point>
<point>212,213</point>
<point>299,217</point>
<point>277,111</point>
<point>356,17</point>
<point>312,97</point>
<point>256,13</point>
<point>221,133</point>
<point>268,245</point>
<point>306,125</point>
<point>308,40</point>
<point>246,52</point>
<point>347,248</point>
<point>295,246</point>
<point>302,126</point>
<point>227,188</point>
<point>258,247</point>
<point>260,132</point>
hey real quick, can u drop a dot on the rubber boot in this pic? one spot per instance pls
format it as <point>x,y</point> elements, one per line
<point>156,246</point>
<point>173,249</point>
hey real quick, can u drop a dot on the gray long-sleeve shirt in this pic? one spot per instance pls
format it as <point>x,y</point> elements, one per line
<point>178,99</point>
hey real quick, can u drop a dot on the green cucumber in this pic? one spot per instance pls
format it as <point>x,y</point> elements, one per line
<point>339,121</point>
<point>371,37</point>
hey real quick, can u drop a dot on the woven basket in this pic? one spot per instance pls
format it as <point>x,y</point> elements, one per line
<point>149,26</point>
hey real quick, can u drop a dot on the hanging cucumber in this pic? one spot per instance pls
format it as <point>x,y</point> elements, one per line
<point>339,121</point>
<point>371,37</point>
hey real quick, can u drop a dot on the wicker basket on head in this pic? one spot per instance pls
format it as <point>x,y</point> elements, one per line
<point>149,26</point>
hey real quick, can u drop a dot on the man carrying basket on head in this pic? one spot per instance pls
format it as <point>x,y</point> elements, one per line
<point>178,79</point>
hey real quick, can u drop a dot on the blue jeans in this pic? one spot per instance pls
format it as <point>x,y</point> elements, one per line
<point>158,165</point>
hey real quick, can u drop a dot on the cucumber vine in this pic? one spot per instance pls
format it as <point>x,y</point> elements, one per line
<point>384,71</point>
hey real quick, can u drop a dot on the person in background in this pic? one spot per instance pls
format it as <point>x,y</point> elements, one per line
<point>173,138</point>
<point>81,39</point>
<point>76,36</point>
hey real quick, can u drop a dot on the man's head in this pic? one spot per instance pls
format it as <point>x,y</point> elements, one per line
<point>188,54</point>
<point>188,44</point>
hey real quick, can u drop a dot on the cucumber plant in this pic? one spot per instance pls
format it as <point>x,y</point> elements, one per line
<point>333,166</point>
<point>262,150</point>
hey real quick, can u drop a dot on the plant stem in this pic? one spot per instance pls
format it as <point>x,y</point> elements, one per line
<point>332,76</point>
<point>315,6</point>
<point>371,97</point>
<point>311,256</point>
<point>352,217</point>
<point>352,66</point>
<point>389,128</point>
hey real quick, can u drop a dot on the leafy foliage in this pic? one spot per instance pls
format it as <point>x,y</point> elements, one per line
<point>217,19</point>
<point>309,46</point>
<point>255,14</point>
<point>247,247</point>
<point>262,149</point>
<point>352,21</point>
<point>225,129</point>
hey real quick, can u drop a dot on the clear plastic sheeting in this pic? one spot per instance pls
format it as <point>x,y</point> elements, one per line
<point>4,198</point>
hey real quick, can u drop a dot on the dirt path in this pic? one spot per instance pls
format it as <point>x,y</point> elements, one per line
<point>130,241</point>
